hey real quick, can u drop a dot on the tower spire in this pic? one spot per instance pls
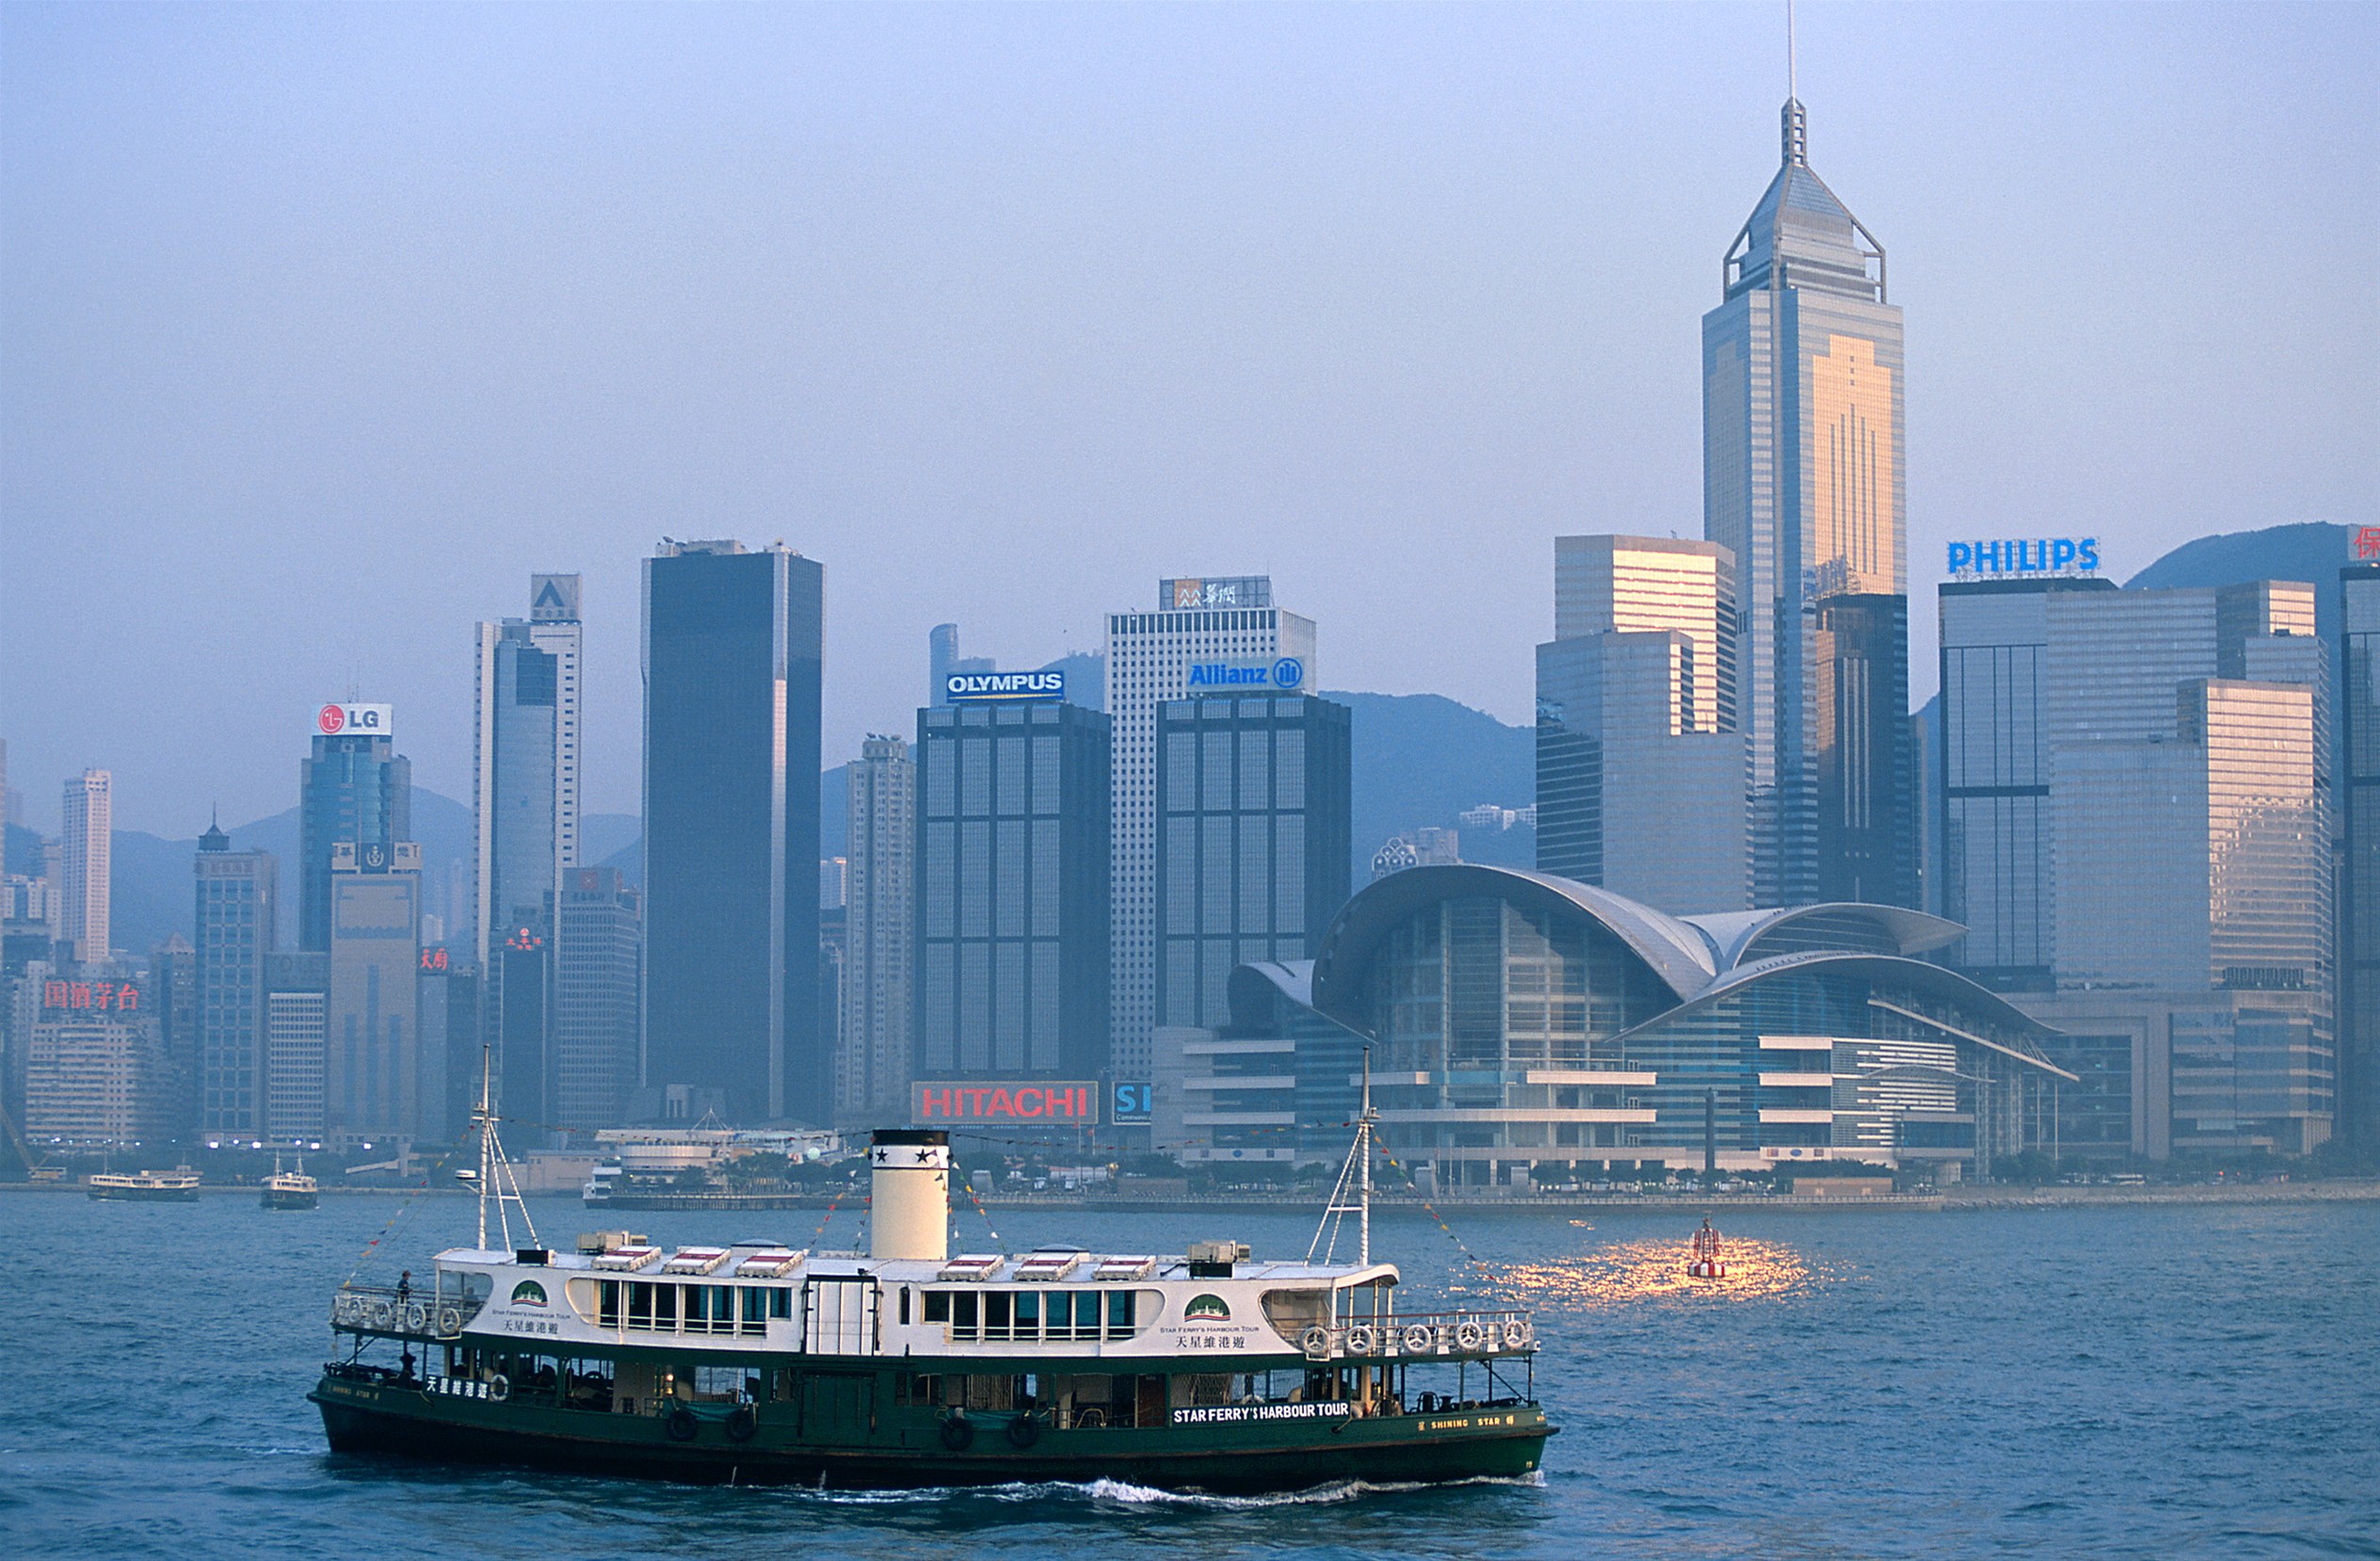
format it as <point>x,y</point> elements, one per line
<point>1794,129</point>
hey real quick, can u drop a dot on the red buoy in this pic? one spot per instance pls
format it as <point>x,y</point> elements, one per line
<point>1706,1264</point>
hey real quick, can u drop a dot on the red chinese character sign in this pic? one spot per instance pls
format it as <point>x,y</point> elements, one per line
<point>102,996</point>
<point>2368,541</point>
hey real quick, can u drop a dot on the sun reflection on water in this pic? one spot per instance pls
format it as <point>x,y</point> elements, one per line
<point>1628,1272</point>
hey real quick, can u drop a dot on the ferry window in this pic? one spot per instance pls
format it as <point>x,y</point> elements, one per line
<point>639,1305</point>
<point>780,1301</point>
<point>1119,1314</point>
<point>937,1306</point>
<point>996,1314</point>
<point>1087,1315</point>
<point>1028,1315</point>
<point>665,1305</point>
<point>962,1316</point>
<point>905,1305</point>
<point>607,1303</point>
<point>755,1310</point>
<point>698,1312</point>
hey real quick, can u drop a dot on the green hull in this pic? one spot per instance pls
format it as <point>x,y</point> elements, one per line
<point>908,1450</point>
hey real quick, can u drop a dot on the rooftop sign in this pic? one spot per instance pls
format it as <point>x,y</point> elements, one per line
<point>356,720</point>
<point>2016,558</point>
<point>1284,674</point>
<point>1240,590</point>
<point>981,687</point>
<point>1066,1102</point>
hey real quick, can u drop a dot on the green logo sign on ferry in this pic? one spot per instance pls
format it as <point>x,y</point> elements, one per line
<point>529,1293</point>
<point>1206,1307</point>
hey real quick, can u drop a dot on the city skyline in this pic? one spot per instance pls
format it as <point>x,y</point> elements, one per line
<point>1934,167</point>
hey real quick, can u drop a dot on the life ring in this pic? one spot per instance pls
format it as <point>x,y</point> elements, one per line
<point>380,1317</point>
<point>343,1309</point>
<point>1023,1432</point>
<point>678,1423</point>
<point>1468,1335</point>
<point>499,1388</point>
<point>1361,1340</point>
<point>959,1433</point>
<point>1315,1341</point>
<point>1418,1339</point>
<point>1516,1333</point>
<point>416,1318</point>
<point>450,1319</point>
<point>742,1422</point>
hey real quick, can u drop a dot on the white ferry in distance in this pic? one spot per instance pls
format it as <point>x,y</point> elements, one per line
<point>909,1366</point>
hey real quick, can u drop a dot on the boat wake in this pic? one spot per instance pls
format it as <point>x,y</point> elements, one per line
<point>1125,1494</point>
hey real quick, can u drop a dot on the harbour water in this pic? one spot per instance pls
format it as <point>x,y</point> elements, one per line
<point>2158,1381</point>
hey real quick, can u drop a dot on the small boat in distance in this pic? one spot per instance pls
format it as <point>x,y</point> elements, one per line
<point>290,1189</point>
<point>179,1185</point>
<point>1705,1263</point>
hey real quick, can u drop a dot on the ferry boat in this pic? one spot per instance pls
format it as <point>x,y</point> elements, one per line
<point>910,1366</point>
<point>290,1189</point>
<point>179,1185</point>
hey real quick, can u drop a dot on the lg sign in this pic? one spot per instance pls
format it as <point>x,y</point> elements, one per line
<point>355,720</point>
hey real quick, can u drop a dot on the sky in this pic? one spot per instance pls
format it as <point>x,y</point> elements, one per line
<point>323,326</point>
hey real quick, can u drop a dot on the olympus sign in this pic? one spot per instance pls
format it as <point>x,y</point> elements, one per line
<point>971,687</point>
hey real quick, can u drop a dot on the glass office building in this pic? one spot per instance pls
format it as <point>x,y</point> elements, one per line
<point>237,895</point>
<point>880,962</point>
<point>1011,895</point>
<point>2358,813</point>
<point>353,789</point>
<point>1803,482</point>
<point>371,1079</point>
<point>1204,634</point>
<point>732,647</point>
<point>1253,843</point>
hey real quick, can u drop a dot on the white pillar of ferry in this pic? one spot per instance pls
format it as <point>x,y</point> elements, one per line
<point>909,1213</point>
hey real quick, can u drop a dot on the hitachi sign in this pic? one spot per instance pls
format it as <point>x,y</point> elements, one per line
<point>1058,1101</point>
<point>965,688</point>
<point>1223,676</point>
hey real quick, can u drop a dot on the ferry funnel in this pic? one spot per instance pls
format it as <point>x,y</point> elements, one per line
<point>909,1194</point>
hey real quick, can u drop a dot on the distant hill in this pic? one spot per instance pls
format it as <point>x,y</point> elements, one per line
<point>1422,759</point>
<point>2311,550</point>
<point>149,877</point>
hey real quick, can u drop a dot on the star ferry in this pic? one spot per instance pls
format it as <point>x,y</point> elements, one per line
<point>910,1366</point>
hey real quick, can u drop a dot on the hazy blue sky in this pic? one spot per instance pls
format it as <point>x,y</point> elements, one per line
<point>321,327</point>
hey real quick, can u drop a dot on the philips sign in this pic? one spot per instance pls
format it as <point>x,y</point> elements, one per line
<point>1286,674</point>
<point>2016,557</point>
<point>356,720</point>
<point>976,688</point>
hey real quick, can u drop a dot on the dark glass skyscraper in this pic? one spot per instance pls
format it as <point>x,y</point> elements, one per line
<point>233,933</point>
<point>2359,826</point>
<point>731,645</point>
<point>1012,886</point>
<point>354,788</point>
<point>1252,841</point>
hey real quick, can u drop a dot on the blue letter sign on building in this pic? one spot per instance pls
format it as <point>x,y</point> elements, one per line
<point>2020,556</point>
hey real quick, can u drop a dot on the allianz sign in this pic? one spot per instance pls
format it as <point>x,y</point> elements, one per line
<point>1287,672</point>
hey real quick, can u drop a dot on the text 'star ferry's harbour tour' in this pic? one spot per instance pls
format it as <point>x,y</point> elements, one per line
<point>905,1366</point>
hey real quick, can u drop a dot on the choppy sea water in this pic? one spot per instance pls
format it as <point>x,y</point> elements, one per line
<point>2158,1381</point>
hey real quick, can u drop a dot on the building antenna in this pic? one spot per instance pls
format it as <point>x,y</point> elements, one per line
<point>1792,63</point>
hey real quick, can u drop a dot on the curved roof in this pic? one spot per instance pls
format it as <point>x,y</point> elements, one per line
<point>1293,978</point>
<point>1935,980</point>
<point>1684,958</point>
<point>1738,934</point>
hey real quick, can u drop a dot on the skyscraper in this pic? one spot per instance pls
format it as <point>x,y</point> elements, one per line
<point>1206,635</point>
<point>234,931</point>
<point>598,973</point>
<point>373,1077</point>
<point>1636,714</point>
<point>2358,814</point>
<point>296,1046</point>
<point>880,954</point>
<point>732,647</point>
<point>524,762</point>
<point>84,860</point>
<point>1252,844</point>
<point>1012,957</point>
<point>353,789</point>
<point>1803,482</point>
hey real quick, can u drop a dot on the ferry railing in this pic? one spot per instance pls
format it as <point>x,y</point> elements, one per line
<point>386,1310</point>
<point>1422,1335</point>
